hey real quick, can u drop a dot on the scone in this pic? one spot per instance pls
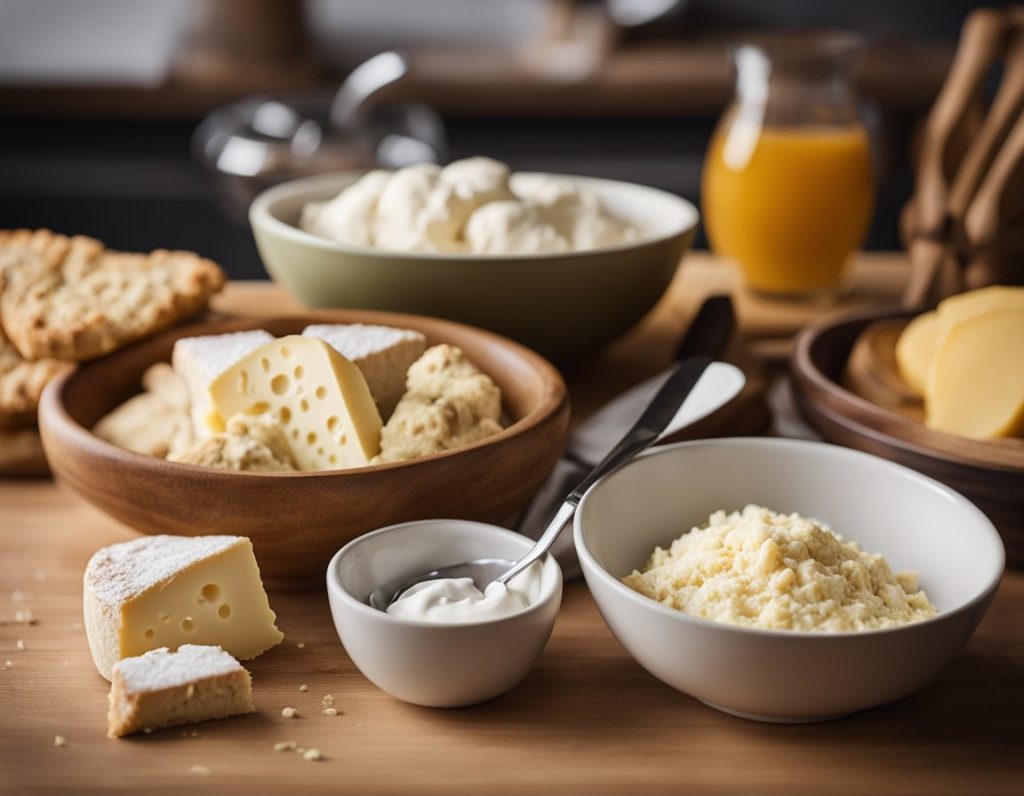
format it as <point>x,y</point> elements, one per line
<point>166,689</point>
<point>448,403</point>
<point>70,298</point>
<point>255,443</point>
<point>155,422</point>
<point>21,384</point>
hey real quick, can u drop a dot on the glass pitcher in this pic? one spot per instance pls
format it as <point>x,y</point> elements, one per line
<point>787,187</point>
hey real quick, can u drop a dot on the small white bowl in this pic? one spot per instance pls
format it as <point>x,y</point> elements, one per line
<point>916,523</point>
<point>436,665</point>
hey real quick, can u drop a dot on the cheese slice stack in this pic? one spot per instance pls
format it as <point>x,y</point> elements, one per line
<point>165,591</point>
<point>166,689</point>
<point>383,355</point>
<point>964,359</point>
<point>976,383</point>
<point>317,395</point>
<point>202,359</point>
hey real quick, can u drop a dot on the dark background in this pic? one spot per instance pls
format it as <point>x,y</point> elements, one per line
<point>128,177</point>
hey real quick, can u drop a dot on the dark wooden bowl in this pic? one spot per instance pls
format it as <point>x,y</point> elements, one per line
<point>989,474</point>
<point>297,521</point>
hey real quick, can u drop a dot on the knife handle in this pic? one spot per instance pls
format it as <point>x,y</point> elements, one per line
<point>710,330</point>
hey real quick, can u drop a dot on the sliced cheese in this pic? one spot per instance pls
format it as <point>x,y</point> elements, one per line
<point>976,382</point>
<point>383,355</point>
<point>202,359</point>
<point>165,591</point>
<point>977,302</point>
<point>316,394</point>
<point>166,689</point>
<point>915,349</point>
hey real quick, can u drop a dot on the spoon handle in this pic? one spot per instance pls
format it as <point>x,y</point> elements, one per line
<point>645,432</point>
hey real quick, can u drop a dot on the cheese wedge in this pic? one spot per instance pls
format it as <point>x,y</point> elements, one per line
<point>317,395</point>
<point>202,359</point>
<point>976,382</point>
<point>165,591</point>
<point>166,689</point>
<point>383,355</point>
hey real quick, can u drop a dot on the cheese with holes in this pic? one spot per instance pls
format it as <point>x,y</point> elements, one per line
<point>317,395</point>
<point>166,689</point>
<point>976,383</point>
<point>383,355</point>
<point>202,359</point>
<point>165,591</point>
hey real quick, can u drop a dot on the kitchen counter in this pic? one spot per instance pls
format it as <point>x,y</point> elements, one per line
<point>588,719</point>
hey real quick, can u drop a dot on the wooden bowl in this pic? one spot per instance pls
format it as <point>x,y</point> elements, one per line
<point>297,521</point>
<point>991,474</point>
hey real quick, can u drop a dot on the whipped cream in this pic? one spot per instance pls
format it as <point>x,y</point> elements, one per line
<point>452,601</point>
<point>471,206</point>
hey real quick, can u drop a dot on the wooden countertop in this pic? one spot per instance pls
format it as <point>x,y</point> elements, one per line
<point>587,719</point>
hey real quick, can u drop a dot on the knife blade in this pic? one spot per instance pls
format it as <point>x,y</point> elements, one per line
<point>707,335</point>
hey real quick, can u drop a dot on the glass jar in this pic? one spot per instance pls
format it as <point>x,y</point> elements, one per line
<point>787,186</point>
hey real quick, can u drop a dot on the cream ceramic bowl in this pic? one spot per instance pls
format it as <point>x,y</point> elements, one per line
<point>915,522</point>
<point>563,305</point>
<point>436,665</point>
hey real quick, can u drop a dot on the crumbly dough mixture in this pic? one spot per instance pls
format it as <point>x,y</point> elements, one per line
<point>250,442</point>
<point>448,402</point>
<point>757,568</point>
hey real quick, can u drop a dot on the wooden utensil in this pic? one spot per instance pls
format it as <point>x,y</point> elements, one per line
<point>298,520</point>
<point>980,45</point>
<point>949,253</point>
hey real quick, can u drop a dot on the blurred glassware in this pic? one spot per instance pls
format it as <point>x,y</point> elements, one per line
<point>787,188</point>
<point>258,142</point>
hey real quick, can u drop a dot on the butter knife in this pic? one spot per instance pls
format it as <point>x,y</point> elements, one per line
<point>707,336</point>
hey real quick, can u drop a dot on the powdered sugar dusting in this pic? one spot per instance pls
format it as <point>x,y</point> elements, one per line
<point>122,571</point>
<point>212,354</point>
<point>161,668</point>
<point>355,341</point>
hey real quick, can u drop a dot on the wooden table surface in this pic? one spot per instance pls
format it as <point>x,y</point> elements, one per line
<point>588,719</point>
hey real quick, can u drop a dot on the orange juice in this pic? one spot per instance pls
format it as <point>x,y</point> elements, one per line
<point>790,204</point>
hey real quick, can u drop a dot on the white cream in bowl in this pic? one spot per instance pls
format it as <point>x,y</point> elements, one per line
<point>458,600</point>
<point>471,206</point>
<point>429,662</point>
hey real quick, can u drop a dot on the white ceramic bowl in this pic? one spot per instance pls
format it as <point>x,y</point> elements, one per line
<point>562,305</point>
<point>916,523</point>
<point>432,664</point>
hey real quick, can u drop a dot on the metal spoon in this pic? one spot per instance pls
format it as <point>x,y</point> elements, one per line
<point>656,417</point>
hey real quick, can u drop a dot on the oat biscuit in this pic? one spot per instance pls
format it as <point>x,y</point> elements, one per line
<point>21,384</point>
<point>70,298</point>
<point>21,453</point>
<point>155,422</point>
<point>251,442</point>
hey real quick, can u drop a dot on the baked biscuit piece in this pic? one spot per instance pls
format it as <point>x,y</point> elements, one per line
<point>448,403</point>
<point>21,453</point>
<point>21,384</point>
<point>70,298</point>
<point>255,443</point>
<point>155,422</point>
